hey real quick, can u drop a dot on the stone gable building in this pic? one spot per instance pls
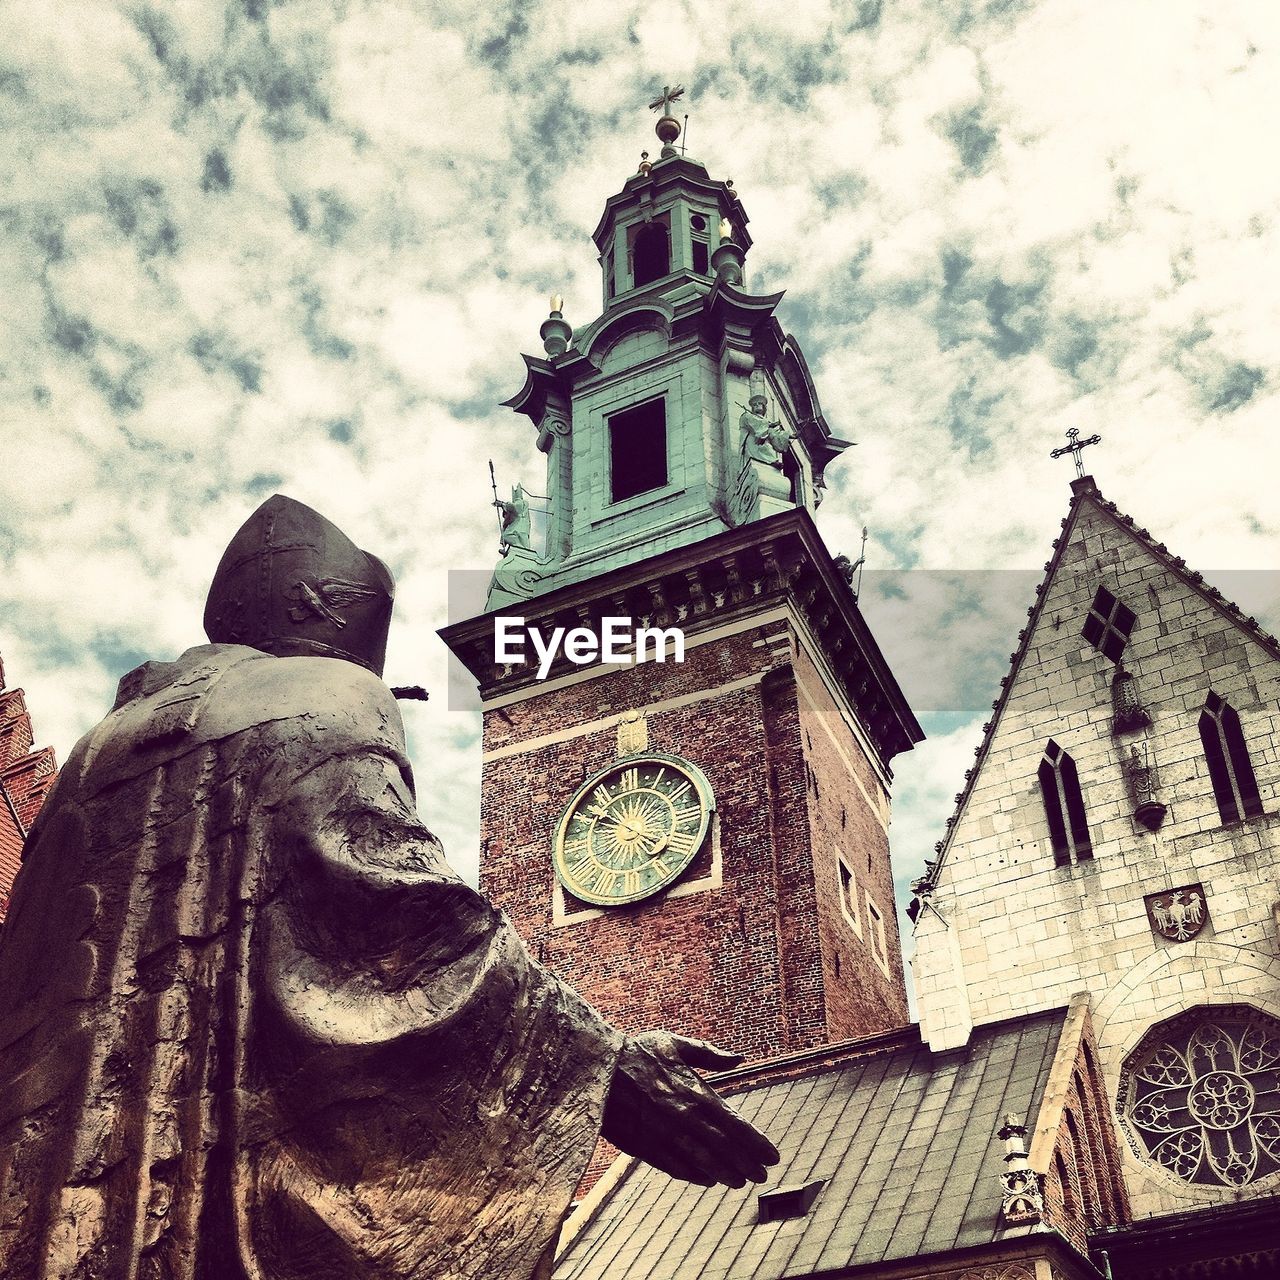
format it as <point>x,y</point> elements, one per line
<point>1094,1085</point>
<point>1119,835</point>
<point>26,774</point>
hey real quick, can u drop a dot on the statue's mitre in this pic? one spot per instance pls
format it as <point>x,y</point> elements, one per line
<point>291,582</point>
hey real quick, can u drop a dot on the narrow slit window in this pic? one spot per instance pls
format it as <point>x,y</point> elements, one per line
<point>879,949</point>
<point>1234,786</point>
<point>1108,625</point>
<point>1064,1181</point>
<point>1064,807</point>
<point>849,895</point>
<point>638,450</point>
<point>700,257</point>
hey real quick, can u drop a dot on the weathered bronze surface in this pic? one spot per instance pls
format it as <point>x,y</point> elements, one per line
<point>252,1026</point>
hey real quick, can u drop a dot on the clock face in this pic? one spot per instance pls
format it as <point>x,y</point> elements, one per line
<point>632,829</point>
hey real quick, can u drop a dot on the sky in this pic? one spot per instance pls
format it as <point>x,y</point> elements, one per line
<point>299,247</point>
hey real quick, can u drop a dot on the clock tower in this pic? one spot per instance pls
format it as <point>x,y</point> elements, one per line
<point>691,829</point>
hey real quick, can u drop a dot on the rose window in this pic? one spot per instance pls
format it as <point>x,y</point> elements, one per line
<point>1201,1096</point>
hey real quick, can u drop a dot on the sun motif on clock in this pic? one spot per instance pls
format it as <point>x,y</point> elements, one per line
<point>632,829</point>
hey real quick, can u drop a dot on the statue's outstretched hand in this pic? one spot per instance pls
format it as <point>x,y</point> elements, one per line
<point>659,1109</point>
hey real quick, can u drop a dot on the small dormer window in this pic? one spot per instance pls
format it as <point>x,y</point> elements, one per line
<point>638,450</point>
<point>650,253</point>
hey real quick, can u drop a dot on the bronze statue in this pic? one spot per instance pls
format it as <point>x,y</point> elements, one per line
<point>252,1027</point>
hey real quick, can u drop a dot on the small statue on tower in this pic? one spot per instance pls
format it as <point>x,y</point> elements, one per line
<point>515,520</point>
<point>762,440</point>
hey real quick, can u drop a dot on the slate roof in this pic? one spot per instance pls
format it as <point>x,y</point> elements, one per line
<point>904,1137</point>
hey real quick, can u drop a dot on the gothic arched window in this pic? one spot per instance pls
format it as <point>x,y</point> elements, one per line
<point>1234,786</point>
<point>1198,1096</point>
<point>1064,806</point>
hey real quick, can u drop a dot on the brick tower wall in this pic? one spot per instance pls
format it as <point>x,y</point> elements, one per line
<point>743,952</point>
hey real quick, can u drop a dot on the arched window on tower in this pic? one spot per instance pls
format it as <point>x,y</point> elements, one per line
<point>1234,786</point>
<point>1064,807</point>
<point>650,253</point>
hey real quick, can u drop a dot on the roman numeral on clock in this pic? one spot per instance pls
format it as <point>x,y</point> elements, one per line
<point>689,814</point>
<point>576,852</point>
<point>680,842</point>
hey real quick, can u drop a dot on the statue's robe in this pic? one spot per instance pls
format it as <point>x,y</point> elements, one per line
<point>252,1027</point>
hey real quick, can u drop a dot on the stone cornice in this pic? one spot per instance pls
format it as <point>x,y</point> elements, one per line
<point>767,562</point>
<point>678,171</point>
<point>704,312</point>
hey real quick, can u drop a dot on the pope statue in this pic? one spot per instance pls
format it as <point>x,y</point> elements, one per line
<point>252,1026</point>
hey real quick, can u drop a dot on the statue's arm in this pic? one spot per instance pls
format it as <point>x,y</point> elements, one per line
<point>377,939</point>
<point>371,936</point>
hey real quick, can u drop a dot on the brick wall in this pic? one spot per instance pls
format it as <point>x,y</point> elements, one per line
<point>748,959</point>
<point>26,775</point>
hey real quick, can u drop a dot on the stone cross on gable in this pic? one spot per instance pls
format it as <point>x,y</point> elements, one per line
<point>668,96</point>
<point>1074,448</point>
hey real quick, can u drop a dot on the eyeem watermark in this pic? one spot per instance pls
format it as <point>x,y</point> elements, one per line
<point>619,641</point>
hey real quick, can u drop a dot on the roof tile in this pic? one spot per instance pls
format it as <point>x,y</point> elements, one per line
<point>904,1137</point>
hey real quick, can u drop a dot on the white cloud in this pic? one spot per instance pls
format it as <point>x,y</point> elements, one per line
<point>304,253</point>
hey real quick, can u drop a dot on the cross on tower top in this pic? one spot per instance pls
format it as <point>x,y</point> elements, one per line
<point>668,127</point>
<point>666,98</point>
<point>1074,448</point>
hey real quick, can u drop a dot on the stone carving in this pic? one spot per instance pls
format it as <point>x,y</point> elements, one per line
<point>762,440</point>
<point>252,1026</point>
<point>1128,713</point>
<point>1144,787</point>
<point>1023,1200</point>
<point>1197,1096</point>
<point>1179,914</point>
<point>744,501</point>
<point>633,734</point>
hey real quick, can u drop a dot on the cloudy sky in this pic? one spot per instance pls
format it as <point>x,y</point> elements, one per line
<point>299,247</point>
